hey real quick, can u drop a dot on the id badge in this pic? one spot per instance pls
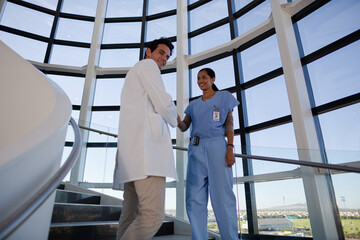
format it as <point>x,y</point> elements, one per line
<point>216,116</point>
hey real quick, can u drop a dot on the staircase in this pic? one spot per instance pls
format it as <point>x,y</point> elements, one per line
<point>78,215</point>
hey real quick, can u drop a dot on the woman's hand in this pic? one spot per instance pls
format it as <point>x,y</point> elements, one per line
<point>180,123</point>
<point>230,158</point>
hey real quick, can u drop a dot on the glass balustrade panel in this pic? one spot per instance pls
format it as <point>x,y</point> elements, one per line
<point>279,197</point>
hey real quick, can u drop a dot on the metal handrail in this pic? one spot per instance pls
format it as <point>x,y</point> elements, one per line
<point>25,211</point>
<point>99,131</point>
<point>292,161</point>
<point>338,167</point>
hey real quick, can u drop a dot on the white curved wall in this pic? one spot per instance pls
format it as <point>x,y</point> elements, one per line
<point>34,117</point>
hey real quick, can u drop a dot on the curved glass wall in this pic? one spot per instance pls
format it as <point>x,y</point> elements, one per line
<point>57,36</point>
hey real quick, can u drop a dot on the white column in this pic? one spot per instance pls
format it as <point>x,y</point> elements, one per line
<point>77,172</point>
<point>182,95</point>
<point>318,196</point>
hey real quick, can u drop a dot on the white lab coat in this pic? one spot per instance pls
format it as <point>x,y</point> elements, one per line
<point>144,142</point>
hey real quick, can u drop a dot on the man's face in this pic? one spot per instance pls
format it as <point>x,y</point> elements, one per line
<point>160,55</point>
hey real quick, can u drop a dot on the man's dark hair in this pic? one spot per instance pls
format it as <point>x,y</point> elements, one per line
<point>154,44</point>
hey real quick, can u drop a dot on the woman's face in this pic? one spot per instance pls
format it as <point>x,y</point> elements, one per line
<point>204,81</point>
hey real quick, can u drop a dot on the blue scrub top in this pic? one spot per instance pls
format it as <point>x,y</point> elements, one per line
<point>203,122</point>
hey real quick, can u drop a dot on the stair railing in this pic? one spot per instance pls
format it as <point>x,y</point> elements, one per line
<point>23,213</point>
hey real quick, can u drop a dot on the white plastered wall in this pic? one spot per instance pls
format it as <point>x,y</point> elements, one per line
<point>34,117</point>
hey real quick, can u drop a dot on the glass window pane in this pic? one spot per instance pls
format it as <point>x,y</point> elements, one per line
<point>207,13</point>
<point>236,121</point>
<point>159,6</point>
<point>331,22</point>
<point>241,3</point>
<point>267,101</point>
<point>341,131</point>
<point>129,32</point>
<point>347,193</point>
<point>80,7</point>
<point>30,21</point>
<point>174,52</point>
<point>75,114</point>
<point>170,201</point>
<point>163,27</point>
<point>72,56</point>
<point>124,8</point>
<point>107,92</point>
<point>237,169</point>
<point>172,132</point>
<point>74,30</point>
<point>72,86</point>
<point>69,137</point>
<point>50,4</point>
<point>264,167</point>
<point>280,194</point>
<point>253,18</point>
<point>285,137</point>
<point>106,119</point>
<point>218,36</point>
<point>119,57</point>
<point>192,1</point>
<point>274,142</point>
<point>282,207</point>
<point>239,192</point>
<point>169,80</point>
<point>27,48</point>
<point>336,75</point>
<point>95,137</point>
<point>100,165</point>
<point>260,58</point>
<point>224,75</point>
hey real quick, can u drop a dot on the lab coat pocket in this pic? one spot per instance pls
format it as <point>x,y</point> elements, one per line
<point>157,128</point>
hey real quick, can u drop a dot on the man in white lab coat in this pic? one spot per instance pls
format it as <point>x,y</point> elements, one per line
<point>144,155</point>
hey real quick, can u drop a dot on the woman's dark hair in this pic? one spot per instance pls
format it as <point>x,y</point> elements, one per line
<point>211,73</point>
<point>154,44</point>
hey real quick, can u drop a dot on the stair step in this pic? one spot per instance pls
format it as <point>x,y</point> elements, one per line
<point>84,231</point>
<point>95,230</point>
<point>80,216</point>
<point>64,196</point>
<point>65,212</point>
<point>79,224</point>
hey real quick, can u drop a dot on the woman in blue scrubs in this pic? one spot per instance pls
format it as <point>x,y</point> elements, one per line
<point>210,158</point>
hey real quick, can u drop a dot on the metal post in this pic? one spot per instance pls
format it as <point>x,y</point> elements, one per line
<point>77,172</point>
<point>318,194</point>
<point>182,94</point>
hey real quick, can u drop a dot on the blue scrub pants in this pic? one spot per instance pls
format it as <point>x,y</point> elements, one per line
<point>207,172</point>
